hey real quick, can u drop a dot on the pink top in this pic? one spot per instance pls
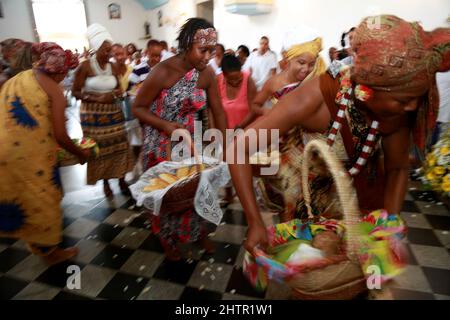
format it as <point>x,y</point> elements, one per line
<point>237,108</point>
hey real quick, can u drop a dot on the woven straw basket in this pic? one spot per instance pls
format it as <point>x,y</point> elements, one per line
<point>337,280</point>
<point>180,197</point>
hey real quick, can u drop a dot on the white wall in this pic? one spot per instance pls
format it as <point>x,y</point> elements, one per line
<point>17,20</point>
<point>175,13</point>
<point>130,28</point>
<point>329,17</point>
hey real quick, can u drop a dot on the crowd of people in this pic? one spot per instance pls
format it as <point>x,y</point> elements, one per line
<point>373,102</point>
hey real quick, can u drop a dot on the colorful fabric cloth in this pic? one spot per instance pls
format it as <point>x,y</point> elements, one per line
<point>18,56</point>
<point>53,59</point>
<point>264,266</point>
<point>303,39</point>
<point>185,227</point>
<point>378,245</point>
<point>105,124</point>
<point>10,47</point>
<point>394,55</point>
<point>282,192</point>
<point>277,95</point>
<point>181,103</point>
<point>30,190</point>
<point>206,37</point>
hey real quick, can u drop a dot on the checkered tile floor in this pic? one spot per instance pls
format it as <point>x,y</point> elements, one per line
<point>120,258</point>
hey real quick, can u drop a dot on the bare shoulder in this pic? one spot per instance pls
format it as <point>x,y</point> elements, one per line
<point>307,105</point>
<point>162,73</point>
<point>207,77</point>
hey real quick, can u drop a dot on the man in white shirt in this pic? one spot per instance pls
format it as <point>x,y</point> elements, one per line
<point>262,63</point>
<point>216,61</point>
<point>142,69</point>
<point>165,54</point>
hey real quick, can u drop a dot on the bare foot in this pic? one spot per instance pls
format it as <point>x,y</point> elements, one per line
<point>124,187</point>
<point>208,245</point>
<point>60,255</point>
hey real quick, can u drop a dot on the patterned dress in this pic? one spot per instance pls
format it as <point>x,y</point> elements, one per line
<point>183,103</point>
<point>30,188</point>
<point>283,193</point>
<point>105,124</point>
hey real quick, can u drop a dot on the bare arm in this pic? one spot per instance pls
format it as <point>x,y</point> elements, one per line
<point>79,80</point>
<point>58,106</point>
<point>396,163</point>
<point>303,106</point>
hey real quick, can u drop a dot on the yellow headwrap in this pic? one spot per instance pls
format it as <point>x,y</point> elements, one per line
<point>313,47</point>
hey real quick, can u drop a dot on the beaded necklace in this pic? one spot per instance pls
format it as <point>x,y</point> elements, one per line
<point>344,100</point>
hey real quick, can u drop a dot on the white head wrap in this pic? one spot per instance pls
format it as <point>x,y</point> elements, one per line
<point>97,34</point>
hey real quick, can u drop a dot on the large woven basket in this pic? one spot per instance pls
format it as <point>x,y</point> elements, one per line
<point>180,197</point>
<point>337,280</point>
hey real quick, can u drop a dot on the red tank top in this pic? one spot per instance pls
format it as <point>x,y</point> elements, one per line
<point>237,108</point>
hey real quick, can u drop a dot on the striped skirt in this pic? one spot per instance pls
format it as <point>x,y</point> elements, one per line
<point>105,124</point>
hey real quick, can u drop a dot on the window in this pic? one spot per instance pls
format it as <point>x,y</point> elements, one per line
<point>61,21</point>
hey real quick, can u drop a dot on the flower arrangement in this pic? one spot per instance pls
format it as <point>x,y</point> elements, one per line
<point>436,168</point>
<point>66,158</point>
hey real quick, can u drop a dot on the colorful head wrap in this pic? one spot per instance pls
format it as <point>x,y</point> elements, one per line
<point>97,35</point>
<point>301,40</point>
<point>394,55</point>
<point>10,47</point>
<point>206,37</point>
<point>18,55</point>
<point>53,59</point>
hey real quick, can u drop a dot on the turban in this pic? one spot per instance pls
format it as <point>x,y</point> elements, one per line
<point>53,59</point>
<point>18,55</point>
<point>394,55</point>
<point>304,40</point>
<point>97,35</point>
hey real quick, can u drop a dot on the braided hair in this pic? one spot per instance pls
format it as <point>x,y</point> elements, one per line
<point>188,30</point>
